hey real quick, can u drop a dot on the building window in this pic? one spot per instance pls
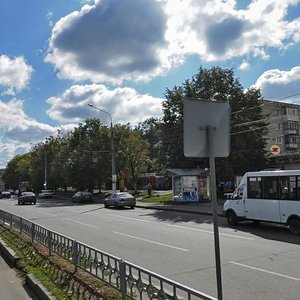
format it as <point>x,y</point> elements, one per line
<point>279,139</point>
<point>284,110</point>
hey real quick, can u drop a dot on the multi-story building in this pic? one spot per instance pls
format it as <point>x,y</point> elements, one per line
<point>283,138</point>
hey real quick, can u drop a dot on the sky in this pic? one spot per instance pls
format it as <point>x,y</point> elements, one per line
<point>57,56</point>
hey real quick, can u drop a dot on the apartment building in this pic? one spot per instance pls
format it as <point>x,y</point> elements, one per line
<point>283,138</point>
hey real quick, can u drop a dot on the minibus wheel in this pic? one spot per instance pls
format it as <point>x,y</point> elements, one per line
<point>294,226</point>
<point>231,218</point>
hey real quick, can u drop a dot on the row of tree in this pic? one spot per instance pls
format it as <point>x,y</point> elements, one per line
<point>82,158</point>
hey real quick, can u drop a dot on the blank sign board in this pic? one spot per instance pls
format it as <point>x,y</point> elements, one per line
<point>198,115</point>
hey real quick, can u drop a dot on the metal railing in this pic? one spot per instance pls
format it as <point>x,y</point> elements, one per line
<point>131,280</point>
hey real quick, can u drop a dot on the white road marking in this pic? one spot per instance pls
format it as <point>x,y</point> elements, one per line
<point>52,215</point>
<point>266,271</point>
<point>149,241</point>
<point>135,219</point>
<point>81,223</point>
<point>211,232</point>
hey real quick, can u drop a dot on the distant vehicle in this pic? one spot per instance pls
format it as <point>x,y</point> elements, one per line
<point>120,199</point>
<point>27,197</point>
<point>25,186</point>
<point>46,194</point>
<point>5,194</point>
<point>82,197</point>
<point>270,196</point>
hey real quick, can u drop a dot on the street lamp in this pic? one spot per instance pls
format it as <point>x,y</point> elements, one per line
<point>113,162</point>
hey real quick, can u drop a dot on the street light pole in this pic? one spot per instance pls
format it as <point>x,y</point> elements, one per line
<point>45,184</point>
<point>113,160</point>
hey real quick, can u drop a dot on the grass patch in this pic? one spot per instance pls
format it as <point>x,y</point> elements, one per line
<point>56,274</point>
<point>156,198</point>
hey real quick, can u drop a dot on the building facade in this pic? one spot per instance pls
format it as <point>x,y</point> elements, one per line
<point>283,138</point>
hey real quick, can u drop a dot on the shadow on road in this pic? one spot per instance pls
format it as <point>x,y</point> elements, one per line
<point>270,231</point>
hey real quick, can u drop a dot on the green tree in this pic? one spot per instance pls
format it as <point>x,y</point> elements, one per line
<point>248,124</point>
<point>131,152</point>
<point>17,170</point>
<point>89,160</point>
<point>151,133</point>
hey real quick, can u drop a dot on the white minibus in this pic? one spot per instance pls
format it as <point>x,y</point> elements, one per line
<point>271,196</point>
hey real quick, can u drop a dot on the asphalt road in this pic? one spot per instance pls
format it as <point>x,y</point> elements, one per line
<point>258,261</point>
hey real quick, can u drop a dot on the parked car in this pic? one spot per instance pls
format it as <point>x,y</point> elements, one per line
<point>27,197</point>
<point>82,197</point>
<point>120,199</point>
<point>45,194</point>
<point>5,194</point>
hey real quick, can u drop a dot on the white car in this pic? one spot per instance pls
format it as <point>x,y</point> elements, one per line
<point>120,199</point>
<point>46,194</point>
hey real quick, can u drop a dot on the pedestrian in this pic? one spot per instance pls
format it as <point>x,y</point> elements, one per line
<point>149,189</point>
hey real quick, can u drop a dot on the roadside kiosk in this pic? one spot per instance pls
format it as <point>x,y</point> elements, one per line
<point>190,185</point>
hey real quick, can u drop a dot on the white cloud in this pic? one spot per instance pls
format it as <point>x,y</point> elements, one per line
<point>18,130</point>
<point>22,128</point>
<point>113,41</point>
<point>280,85</point>
<point>110,41</point>
<point>244,65</point>
<point>124,104</point>
<point>14,74</point>
<point>225,32</point>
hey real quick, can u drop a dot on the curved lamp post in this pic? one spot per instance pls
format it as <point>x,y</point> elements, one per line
<point>113,162</point>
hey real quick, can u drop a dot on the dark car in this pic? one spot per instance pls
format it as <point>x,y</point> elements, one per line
<point>82,197</point>
<point>27,197</point>
<point>120,199</point>
<point>5,195</point>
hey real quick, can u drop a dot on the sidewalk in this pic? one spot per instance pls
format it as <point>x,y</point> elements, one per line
<point>203,208</point>
<point>11,285</point>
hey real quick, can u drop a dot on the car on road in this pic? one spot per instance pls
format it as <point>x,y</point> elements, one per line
<point>5,194</point>
<point>44,194</point>
<point>120,199</point>
<point>82,197</point>
<point>27,197</point>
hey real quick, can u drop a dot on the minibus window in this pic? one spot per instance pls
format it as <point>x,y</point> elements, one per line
<point>269,187</point>
<point>254,187</point>
<point>293,188</point>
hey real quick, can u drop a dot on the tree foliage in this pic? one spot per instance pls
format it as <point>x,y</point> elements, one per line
<point>82,158</point>
<point>248,124</point>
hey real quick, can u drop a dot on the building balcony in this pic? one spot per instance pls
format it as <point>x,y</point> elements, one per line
<point>291,131</point>
<point>291,146</point>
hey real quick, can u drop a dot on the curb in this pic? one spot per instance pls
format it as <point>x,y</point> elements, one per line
<point>36,287</point>
<point>205,213</point>
<point>8,254</point>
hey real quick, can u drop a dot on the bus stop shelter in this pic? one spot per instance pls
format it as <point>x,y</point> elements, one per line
<point>190,185</point>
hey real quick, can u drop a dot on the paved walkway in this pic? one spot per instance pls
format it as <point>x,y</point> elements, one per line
<point>11,286</point>
<point>204,207</point>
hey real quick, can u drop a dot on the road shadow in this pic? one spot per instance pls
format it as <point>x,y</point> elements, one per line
<point>59,202</point>
<point>175,216</point>
<point>265,230</point>
<point>269,231</point>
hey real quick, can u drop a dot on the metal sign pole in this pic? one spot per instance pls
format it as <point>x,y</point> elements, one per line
<point>212,169</point>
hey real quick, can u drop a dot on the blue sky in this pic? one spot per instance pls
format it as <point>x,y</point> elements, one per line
<point>121,55</point>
